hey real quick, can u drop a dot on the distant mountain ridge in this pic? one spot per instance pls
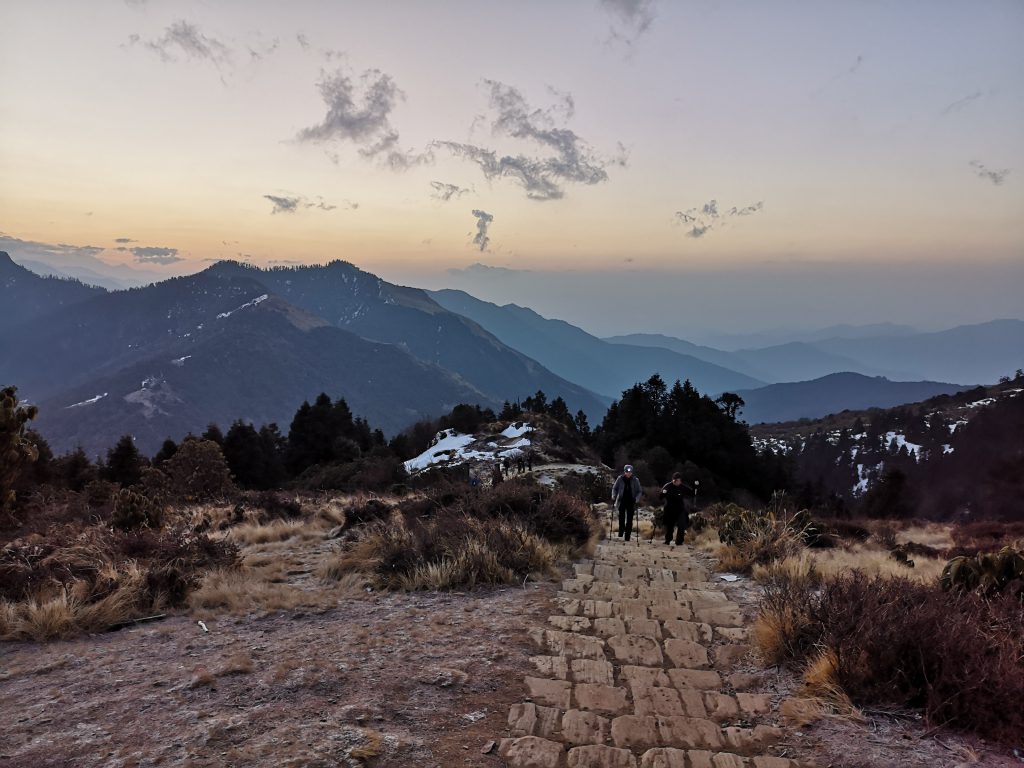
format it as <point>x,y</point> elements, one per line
<point>27,296</point>
<point>578,356</point>
<point>225,343</point>
<point>834,393</point>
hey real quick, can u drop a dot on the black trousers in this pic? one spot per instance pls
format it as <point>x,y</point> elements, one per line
<point>676,519</point>
<point>626,519</point>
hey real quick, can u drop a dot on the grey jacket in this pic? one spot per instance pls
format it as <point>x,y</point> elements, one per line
<point>618,490</point>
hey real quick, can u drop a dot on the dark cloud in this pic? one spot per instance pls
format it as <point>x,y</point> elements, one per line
<point>261,51</point>
<point>183,38</point>
<point>156,255</point>
<point>996,177</point>
<point>483,222</point>
<point>569,159</point>
<point>292,203</point>
<point>360,112</point>
<point>959,104</point>
<point>703,219</point>
<point>446,192</point>
<point>632,17</point>
<point>303,41</point>
<point>125,240</point>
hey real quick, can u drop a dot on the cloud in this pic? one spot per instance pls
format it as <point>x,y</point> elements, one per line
<point>569,159</point>
<point>125,240</point>
<point>703,219</point>
<point>959,104</point>
<point>293,203</point>
<point>262,50</point>
<point>996,177</point>
<point>156,255</point>
<point>183,38</point>
<point>483,222</point>
<point>486,270</point>
<point>360,112</point>
<point>632,17</point>
<point>303,41</point>
<point>446,192</point>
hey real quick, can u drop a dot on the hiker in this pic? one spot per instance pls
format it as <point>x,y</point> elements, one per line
<point>625,494</point>
<point>520,465</point>
<point>675,494</point>
<point>474,478</point>
<point>529,460</point>
<point>506,466</point>
<point>496,477</point>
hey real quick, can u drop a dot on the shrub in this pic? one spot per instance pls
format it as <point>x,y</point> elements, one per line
<point>198,472</point>
<point>959,657</point>
<point>133,510</point>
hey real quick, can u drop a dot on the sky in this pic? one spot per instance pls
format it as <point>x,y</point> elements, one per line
<point>628,165</point>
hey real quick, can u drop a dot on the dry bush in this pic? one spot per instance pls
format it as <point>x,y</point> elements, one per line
<point>986,536</point>
<point>444,552</point>
<point>90,580</point>
<point>238,664</point>
<point>249,534</point>
<point>886,640</point>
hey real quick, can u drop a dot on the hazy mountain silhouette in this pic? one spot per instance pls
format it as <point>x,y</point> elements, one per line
<point>26,295</point>
<point>832,394</point>
<point>578,356</point>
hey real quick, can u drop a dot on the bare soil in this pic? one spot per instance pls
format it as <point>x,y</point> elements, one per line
<point>422,679</point>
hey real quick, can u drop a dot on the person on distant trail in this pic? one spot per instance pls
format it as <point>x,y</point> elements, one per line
<point>530,456</point>
<point>625,494</point>
<point>675,494</point>
<point>496,477</point>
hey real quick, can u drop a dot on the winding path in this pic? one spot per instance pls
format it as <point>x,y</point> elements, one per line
<point>638,671</point>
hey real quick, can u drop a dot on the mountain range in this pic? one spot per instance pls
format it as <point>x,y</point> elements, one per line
<point>240,342</point>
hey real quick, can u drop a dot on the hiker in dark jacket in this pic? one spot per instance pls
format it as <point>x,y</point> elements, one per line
<point>675,495</point>
<point>625,494</point>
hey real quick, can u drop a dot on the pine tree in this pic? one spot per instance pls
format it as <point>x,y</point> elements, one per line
<point>124,463</point>
<point>16,451</point>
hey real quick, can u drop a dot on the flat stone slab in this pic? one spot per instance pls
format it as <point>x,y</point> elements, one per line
<point>689,630</point>
<point>570,623</point>
<point>553,693</point>
<point>686,653</point>
<point>601,757</point>
<point>601,698</point>
<point>698,679</point>
<point>638,650</point>
<point>531,720</point>
<point>579,728</point>
<point>592,671</point>
<point>531,752</point>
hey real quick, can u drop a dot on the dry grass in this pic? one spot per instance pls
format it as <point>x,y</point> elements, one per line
<point>67,613</point>
<point>935,535</point>
<point>242,591</point>
<point>238,664</point>
<point>832,563</point>
<point>249,534</point>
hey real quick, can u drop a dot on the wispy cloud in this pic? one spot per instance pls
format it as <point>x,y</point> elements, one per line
<point>292,203</point>
<point>123,240</point>
<point>707,217</point>
<point>483,222</point>
<point>485,270</point>
<point>996,177</point>
<point>359,112</point>
<point>570,159</point>
<point>156,255</point>
<point>959,104</point>
<point>446,192</point>
<point>185,39</point>
<point>631,18</point>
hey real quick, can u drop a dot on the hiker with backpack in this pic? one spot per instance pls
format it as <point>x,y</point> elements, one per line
<point>625,494</point>
<point>675,494</point>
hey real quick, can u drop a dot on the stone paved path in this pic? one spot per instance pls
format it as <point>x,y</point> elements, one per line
<point>637,672</point>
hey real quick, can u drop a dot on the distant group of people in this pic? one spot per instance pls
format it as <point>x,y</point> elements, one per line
<point>505,467</point>
<point>626,493</point>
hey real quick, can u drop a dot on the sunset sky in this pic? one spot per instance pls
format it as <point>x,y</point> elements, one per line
<point>738,156</point>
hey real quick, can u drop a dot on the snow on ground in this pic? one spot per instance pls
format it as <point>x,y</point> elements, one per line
<point>947,448</point>
<point>518,429</point>
<point>181,360</point>
<point>980,403</point>
<point>453,448</point>
<point>90,401</point>
<point>861,485</point>
<point>253,303</point>
<point>901,441</point>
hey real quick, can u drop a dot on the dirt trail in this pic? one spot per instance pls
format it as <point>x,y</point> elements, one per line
<point>640,670</point>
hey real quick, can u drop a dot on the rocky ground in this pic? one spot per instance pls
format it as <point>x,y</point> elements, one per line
<point>640,660</point>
